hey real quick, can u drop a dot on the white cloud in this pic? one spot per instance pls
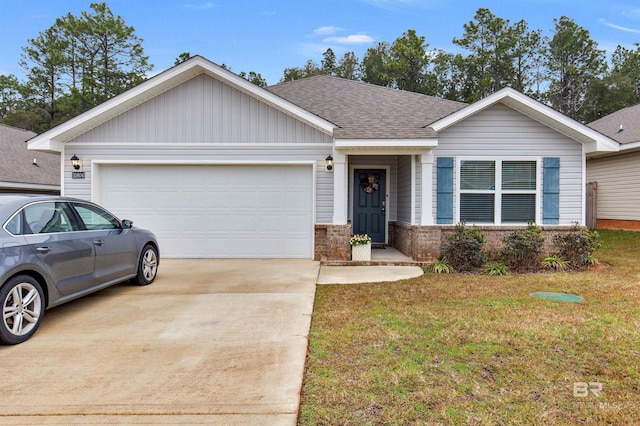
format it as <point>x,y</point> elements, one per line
<point>201,6</point>
<point>395,5</point>
<point>327,30</point>
<point>618,27</point>
<point>350,39</point>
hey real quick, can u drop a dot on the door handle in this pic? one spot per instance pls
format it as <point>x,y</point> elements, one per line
<point>98,242</point>
<point>43,249</point>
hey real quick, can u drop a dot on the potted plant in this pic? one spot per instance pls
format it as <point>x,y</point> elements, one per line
<point>360,247</point>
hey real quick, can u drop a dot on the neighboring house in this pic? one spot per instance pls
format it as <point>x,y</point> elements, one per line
<point>26,171</point>
<point>617,175</point>
<point>219,167</point>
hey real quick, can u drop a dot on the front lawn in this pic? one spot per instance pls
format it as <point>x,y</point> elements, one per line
<point>477,349</point>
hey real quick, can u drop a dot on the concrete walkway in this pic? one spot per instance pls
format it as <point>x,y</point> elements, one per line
<point>210,342</point>
<point>215,342</point>
<point>366,274</point>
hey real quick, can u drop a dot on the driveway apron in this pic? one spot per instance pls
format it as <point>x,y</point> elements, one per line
<point>209,342</point>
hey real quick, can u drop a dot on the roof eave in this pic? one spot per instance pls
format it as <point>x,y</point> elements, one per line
<point>53,139</point>
<point>29,186</point>
<point>386,144</point>
<point>592,140</point>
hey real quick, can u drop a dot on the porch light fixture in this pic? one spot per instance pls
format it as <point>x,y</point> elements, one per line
<point>329,161</point>
<point>75,162</point>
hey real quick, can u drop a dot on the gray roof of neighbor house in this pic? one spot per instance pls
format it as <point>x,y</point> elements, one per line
<point>17,169</point>
<point>363,111</point>
<point>610,125</point>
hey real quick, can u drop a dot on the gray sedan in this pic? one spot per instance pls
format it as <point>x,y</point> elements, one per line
<point>56,249</point>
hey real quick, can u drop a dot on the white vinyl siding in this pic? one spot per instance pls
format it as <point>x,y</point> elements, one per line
<point>500,132</point>
<point>204,110</point>
<point>618,189</point>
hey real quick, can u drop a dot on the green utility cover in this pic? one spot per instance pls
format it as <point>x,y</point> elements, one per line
<point>558,297</point>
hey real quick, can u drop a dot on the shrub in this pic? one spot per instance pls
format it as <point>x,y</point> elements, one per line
<point>522,249</point>
<point>496,269</point>
<point>441,266</point>
<point>555,262</point>
<point>463,248</point>
<point>577,246</point>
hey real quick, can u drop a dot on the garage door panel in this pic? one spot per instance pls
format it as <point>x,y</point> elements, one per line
<point>216,211</point>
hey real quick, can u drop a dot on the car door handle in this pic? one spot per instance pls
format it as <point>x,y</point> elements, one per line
<point>43,249</point>
<point>98,242</point>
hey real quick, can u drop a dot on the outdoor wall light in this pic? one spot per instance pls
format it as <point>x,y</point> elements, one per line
<point>329,161</point>
<point>75,162</point>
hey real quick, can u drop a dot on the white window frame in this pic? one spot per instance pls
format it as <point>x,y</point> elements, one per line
<point>498,192</point>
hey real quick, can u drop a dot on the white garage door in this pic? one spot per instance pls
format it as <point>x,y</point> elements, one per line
<point>235,211</point>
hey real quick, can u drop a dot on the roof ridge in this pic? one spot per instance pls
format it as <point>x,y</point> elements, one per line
<point>371,85</point>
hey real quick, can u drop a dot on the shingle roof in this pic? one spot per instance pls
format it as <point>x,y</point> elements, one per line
<point>366,111</point>
<point>628,118</point>
<point>16,161</point>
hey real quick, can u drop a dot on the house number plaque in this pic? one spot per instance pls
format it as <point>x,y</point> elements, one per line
<point>77,175</point>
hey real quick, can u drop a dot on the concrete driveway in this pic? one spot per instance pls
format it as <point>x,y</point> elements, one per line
<point>209,342</point>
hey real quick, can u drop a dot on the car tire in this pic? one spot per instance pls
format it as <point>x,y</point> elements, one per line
<point>23,308</point>
<point>147,265</point>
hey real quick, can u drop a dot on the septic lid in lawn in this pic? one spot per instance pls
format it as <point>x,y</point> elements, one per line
<point>558,297</point>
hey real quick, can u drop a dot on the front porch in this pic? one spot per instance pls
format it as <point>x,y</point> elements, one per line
<point>381,255</point>
<point>409,244</point>
<point>406,245</point>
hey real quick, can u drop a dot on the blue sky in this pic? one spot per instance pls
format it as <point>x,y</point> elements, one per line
<point>269,36</point>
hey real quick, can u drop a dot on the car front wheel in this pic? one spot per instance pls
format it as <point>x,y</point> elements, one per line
<point>147,265</point>
<point>22,309</point>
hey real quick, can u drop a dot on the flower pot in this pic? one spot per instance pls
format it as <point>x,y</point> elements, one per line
<point>361,252</point>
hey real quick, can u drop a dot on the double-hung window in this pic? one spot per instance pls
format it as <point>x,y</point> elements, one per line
<point>497,191</point>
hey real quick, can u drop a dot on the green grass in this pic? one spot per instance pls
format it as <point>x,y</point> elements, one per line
<point>477,349</point>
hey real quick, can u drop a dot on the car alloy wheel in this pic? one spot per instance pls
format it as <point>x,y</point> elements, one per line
<point>148,265</point>
<point>22,309</point>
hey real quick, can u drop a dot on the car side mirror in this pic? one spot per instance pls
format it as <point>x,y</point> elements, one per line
<point>127,224</point>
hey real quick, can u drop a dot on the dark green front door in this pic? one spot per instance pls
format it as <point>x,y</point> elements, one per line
<point>369,203</point>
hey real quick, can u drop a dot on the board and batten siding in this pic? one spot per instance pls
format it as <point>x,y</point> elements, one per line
<point>618,189</point>
<point>203,121</point>
<point>204,110</point>
<point>499,132</point>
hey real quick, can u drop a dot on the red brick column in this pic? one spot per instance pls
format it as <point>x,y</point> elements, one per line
<point>332,242</point>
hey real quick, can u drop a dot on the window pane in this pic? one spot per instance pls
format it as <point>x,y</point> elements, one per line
<point>15,225</point>
<point>477,208</point>
<point>95,218</point>
<point>47,218</point>
<point>478,175</point>
<point>518,208</point>
<point>519,175</point>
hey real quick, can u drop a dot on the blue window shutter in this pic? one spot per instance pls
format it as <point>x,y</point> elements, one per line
<point>445,190</point>
<point>551,190</point>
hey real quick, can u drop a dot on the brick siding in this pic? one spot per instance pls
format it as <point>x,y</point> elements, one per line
<point>422,243</point>
<point>332,242</point>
